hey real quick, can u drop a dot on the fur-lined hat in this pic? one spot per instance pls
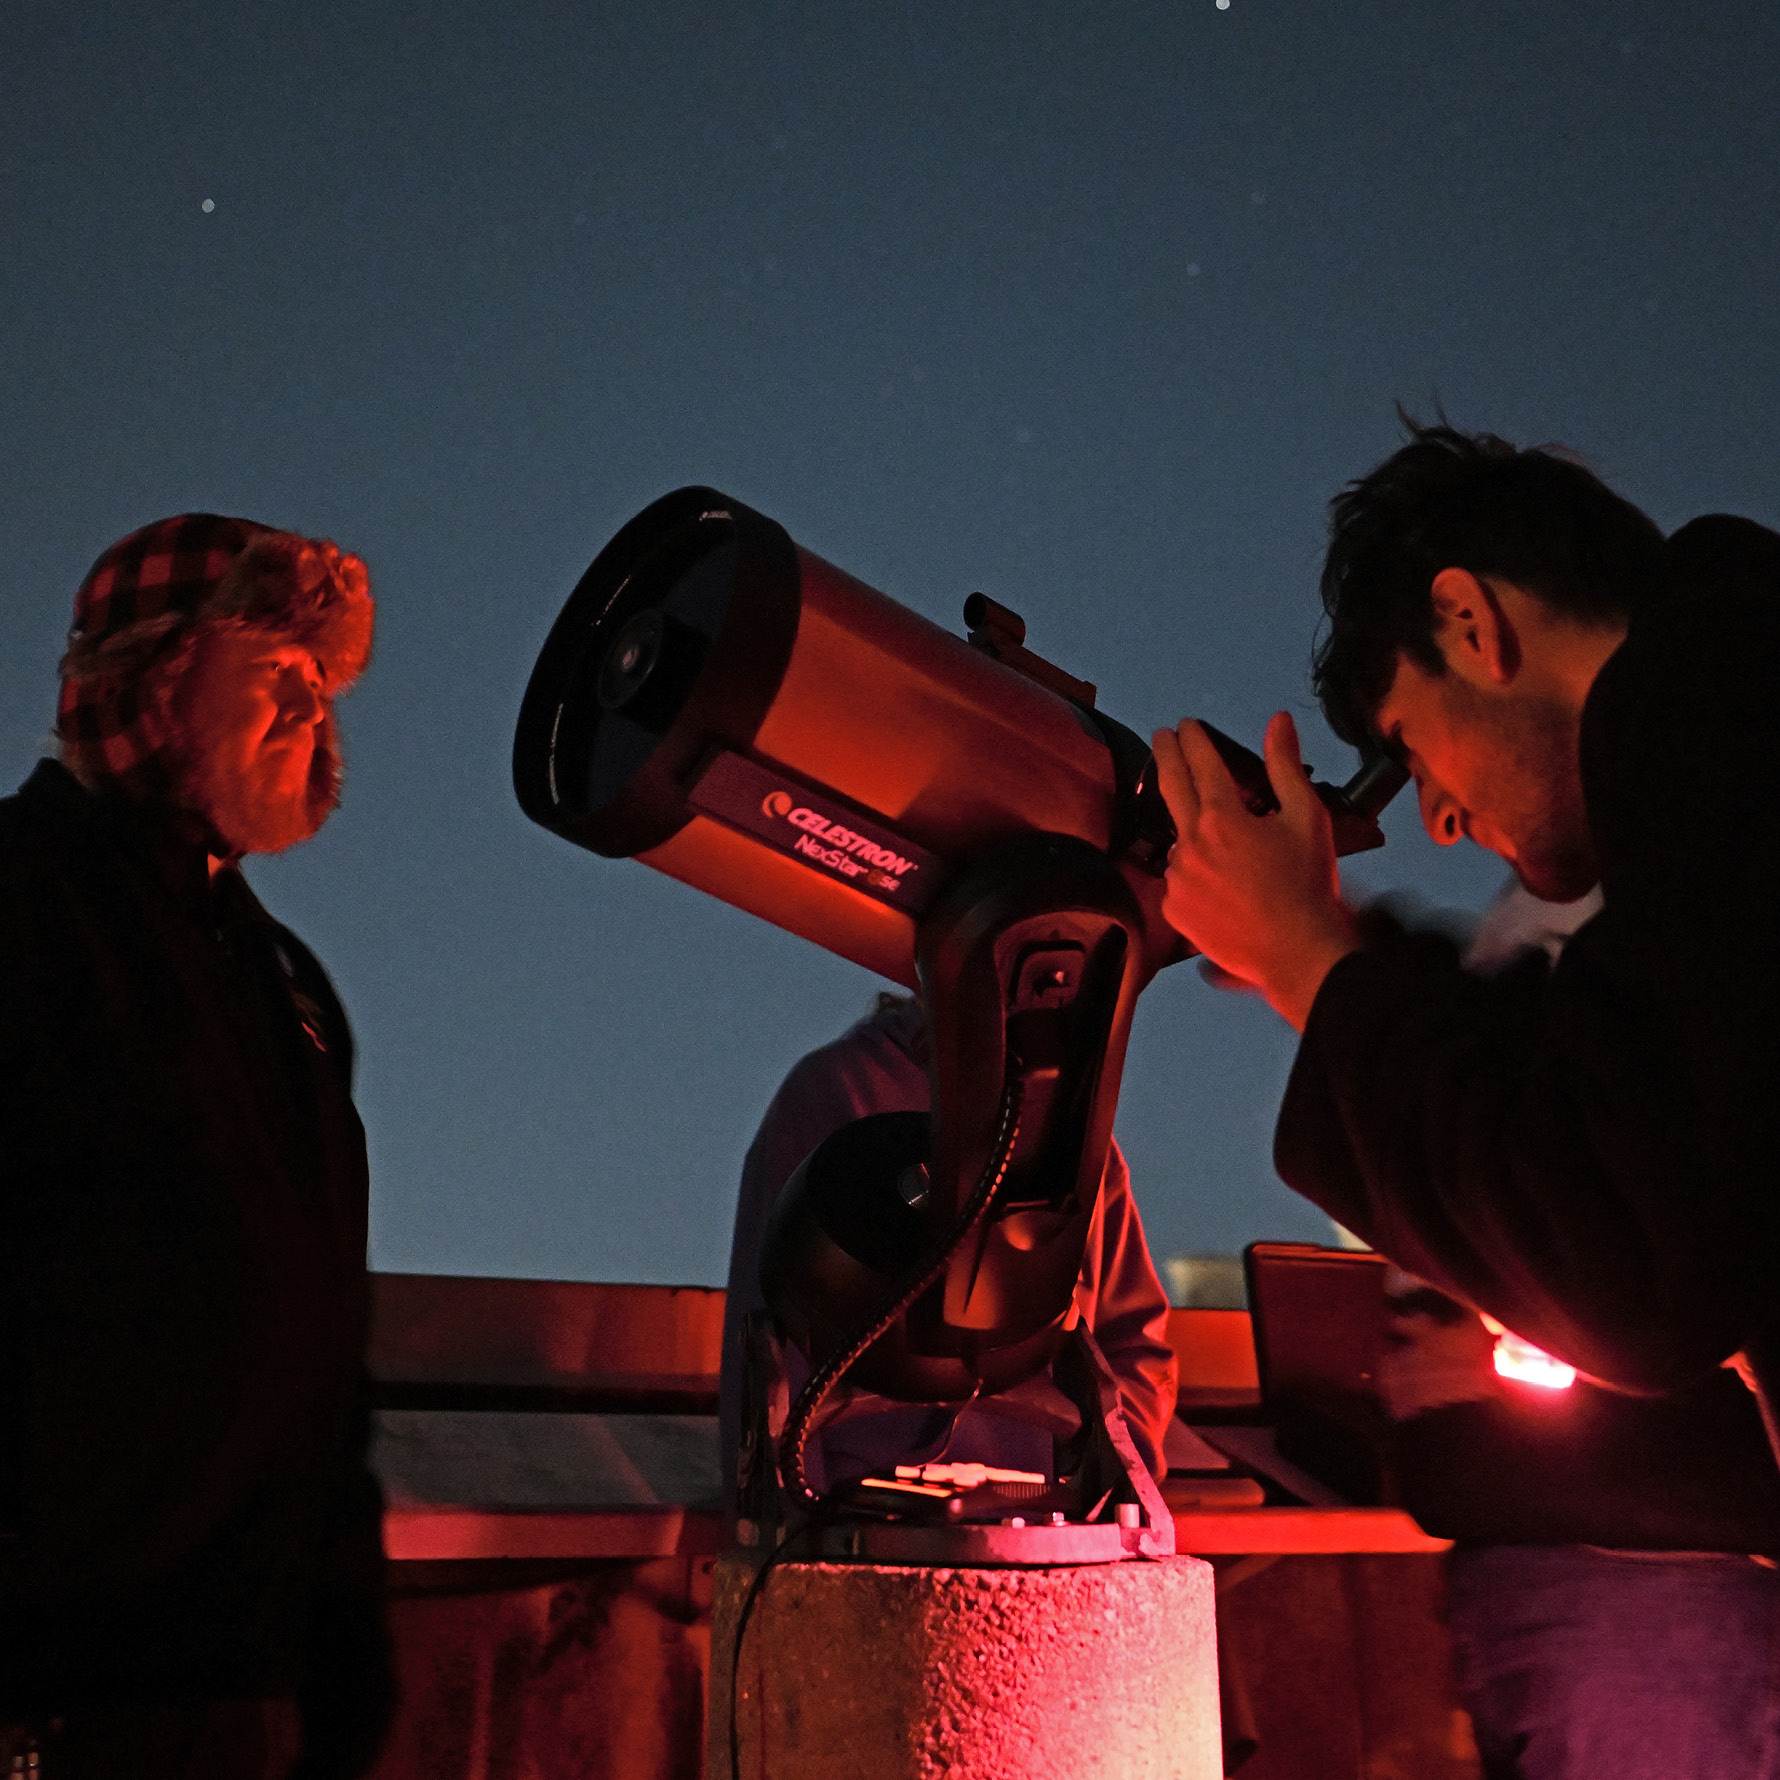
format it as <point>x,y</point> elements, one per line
<point>149,598</point>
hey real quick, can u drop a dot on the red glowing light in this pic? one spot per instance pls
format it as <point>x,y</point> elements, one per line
<point>1524,1363</point>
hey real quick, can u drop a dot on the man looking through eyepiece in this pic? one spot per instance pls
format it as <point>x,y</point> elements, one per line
<point>1590,1158</point>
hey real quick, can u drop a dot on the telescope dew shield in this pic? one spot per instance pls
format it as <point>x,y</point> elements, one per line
<point>743,716</point>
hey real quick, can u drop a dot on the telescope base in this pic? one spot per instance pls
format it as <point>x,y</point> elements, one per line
<point>1099,1671</point>
<point>1000,1545</point>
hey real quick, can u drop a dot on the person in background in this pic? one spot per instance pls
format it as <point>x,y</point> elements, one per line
<point>1607,1616</point>
<point>191,1565</point>
<point>877,1066</point>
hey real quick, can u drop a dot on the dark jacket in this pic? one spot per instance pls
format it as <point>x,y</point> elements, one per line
<point>185,1507</point>
<point>1593,1155</point>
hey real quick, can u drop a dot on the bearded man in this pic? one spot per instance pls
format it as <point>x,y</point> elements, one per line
<point>1592,1156</point>
<point>190,1550</point>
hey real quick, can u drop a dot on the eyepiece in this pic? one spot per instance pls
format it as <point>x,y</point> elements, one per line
<point>1379,780</point>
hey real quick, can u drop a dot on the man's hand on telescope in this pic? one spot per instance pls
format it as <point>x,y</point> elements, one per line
<point>1258,895</point>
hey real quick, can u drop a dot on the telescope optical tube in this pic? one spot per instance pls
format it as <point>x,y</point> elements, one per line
<point>734,711</point>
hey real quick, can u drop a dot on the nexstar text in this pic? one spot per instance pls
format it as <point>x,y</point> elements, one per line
<point>845,841</point>
<point>836,860</point>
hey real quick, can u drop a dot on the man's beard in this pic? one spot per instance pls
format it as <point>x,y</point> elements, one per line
<point>253,817</point>
<point>1554,848</point>
<point>1560,874</point>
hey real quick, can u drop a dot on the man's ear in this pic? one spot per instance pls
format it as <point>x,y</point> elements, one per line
<point>1475,635</point>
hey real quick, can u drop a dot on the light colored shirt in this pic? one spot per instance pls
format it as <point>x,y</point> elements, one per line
<point>874,1068</point>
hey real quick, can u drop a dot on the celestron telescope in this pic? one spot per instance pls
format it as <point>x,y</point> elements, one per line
<point>955,815</point>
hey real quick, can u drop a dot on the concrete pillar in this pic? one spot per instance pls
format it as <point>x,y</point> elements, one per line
<point>1093,1672</point>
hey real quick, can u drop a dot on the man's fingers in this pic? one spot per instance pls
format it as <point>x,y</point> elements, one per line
<point>1302,810</point>
<point>1285,766</point>
<point>1216,786</point>
<point>1174,779</point>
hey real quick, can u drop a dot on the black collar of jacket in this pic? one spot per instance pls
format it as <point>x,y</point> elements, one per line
<point>109,820</point>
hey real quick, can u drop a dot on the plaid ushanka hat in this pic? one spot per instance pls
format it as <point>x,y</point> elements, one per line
<point>145,602</point>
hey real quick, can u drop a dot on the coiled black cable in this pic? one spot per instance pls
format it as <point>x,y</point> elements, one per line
<point>826,1376</point>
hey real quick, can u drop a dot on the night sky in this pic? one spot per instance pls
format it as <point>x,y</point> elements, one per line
<point>1091,306</point>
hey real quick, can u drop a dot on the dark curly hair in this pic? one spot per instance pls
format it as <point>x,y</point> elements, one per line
<point>1470,501</point>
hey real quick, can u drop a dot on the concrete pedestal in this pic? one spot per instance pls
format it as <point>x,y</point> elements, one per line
<point>1095,1672</point>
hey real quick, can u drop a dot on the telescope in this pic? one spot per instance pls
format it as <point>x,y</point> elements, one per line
<point>953,813</point>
